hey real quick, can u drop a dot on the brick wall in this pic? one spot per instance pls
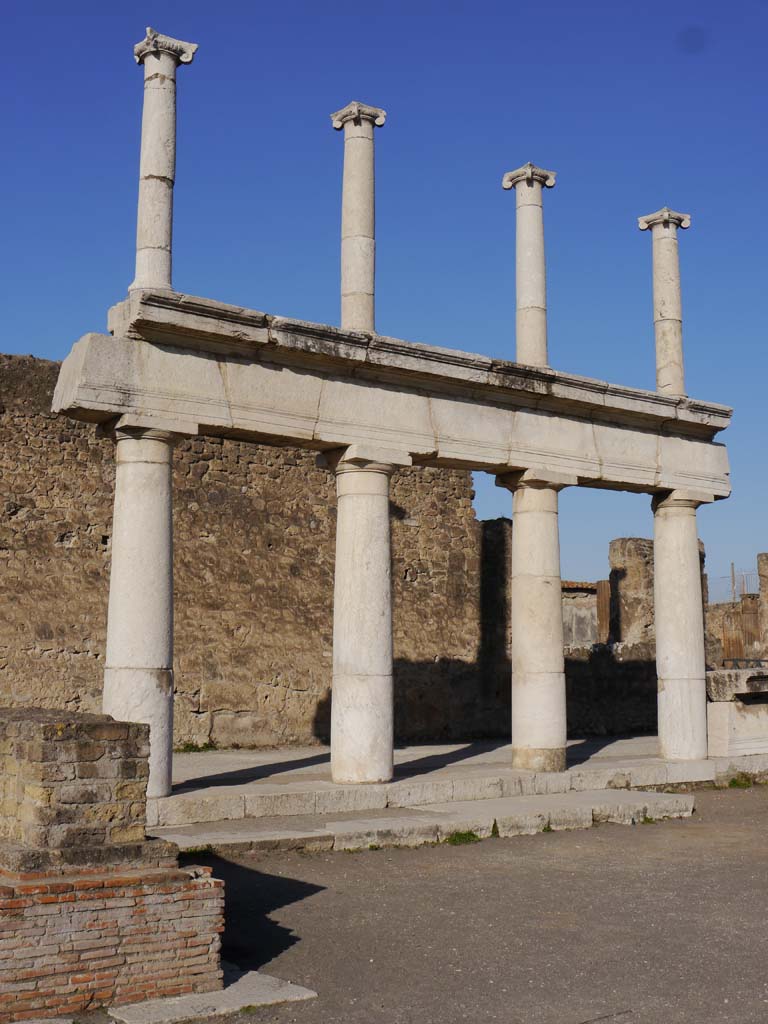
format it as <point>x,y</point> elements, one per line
<point>74,943</point>
<point>92,912</point>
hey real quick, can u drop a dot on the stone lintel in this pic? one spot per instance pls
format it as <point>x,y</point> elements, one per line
<point>154,42</point>
<point>193,323</point>
<point>322,390</point>
<point>529,172</point>
<point>664,216</point>
<point>356,112</point>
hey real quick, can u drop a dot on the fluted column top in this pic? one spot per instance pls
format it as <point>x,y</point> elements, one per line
<point>358,112</point>
<point>664,216</point>
<point>529,172</point>
<point>154,42</point>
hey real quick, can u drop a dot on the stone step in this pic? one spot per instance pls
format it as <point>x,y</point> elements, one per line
<point>459,783</point>
<point>431,823</point>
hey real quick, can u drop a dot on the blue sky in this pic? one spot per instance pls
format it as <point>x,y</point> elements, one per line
<point>635,105</point>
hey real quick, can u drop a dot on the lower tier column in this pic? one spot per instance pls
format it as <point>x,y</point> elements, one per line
<point>679,618</point>
<point>362,740</point>
<point>538,666</point>
<point>138,678</point>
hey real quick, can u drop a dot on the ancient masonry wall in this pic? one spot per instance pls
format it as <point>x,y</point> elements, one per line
<point>91,911</point>
<point>77,942</point>
<point>254,535</point>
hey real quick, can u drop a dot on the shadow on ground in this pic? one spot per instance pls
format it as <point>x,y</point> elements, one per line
<point>251,938</point>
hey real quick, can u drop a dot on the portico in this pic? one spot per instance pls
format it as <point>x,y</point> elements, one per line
<point>175,366</point>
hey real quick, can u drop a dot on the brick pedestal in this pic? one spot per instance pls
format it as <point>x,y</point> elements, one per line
<point>91,912</point>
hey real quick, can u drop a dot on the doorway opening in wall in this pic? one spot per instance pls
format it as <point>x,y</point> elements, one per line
<point>606,560</point>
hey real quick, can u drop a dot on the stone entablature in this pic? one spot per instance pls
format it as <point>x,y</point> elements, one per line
<point>323,388</point>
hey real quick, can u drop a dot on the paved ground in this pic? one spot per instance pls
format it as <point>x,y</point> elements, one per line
<point>651,924</point>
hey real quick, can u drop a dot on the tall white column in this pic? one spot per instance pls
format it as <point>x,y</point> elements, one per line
<point>160,56</point>
<point>358,216</point>
<point>138,678</point>
<point>362,703</point>
<point>667,304</point>
<point>530,269</point>
<point>538,666</point>
<point>679,618</point>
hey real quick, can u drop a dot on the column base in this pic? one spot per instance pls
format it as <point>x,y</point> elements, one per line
<point>145,695</point>
<point>361,729</point>
<point>539,759</point>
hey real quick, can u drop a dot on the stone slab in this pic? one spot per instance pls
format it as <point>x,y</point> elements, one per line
<point>431,823</point>
<point>312,385</point>
<point>730,683</point>
<point>250,989</point>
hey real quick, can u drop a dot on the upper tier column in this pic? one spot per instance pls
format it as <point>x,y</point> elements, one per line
<point>160,56</point>
<point>667,304</point>
<point>679,618</point>
<point>358,217</point>
<point>530,273</point>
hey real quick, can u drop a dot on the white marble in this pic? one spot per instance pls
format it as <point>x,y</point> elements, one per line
<point>358,216</point>
<point>362,740</point>
<point>529,182</point>
<point>160,56</point>
<point>322,388</point>
<point>679,620</point>
<point>667,303</point>
<point>538,667</point>
<point>138,677</point>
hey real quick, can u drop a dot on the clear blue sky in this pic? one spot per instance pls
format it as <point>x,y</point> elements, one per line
<point>635,105</point>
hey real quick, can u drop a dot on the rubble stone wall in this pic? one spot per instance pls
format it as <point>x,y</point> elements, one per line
<point>254,531</point>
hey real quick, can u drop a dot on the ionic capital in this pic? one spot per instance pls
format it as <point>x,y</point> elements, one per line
<point>156,43</point>
<point>529,172</point>
<point>361,456</point>
<point>358,112</point>
<point>537,479</point>
<point>680,500</point>
<point>666,217</point>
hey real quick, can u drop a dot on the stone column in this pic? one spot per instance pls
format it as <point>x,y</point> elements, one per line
<point>358,235</point>
<point>362,706</point>
<point>160,56</point>
<point>138,678</point>
<point>538,667</point>
<point>679,615</point>
<point>531,283</point>
<point>667,306</point>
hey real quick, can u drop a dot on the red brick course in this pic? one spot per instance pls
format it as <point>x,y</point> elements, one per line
<point>75,943</point>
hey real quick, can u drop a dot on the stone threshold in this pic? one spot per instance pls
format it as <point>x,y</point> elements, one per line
<point>241,990</point>
<point>291,798</point>
<point>461,820</point>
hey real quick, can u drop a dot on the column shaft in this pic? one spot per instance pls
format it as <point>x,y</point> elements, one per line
<point>538,669</point>
<point>362,712</point>
<point>530,276</point>
<point>358,244</point>
<point>680,663</point>
<point>667,305</point>
<point>160,56</point>
<point>667,311</point>
<point>138,679</point>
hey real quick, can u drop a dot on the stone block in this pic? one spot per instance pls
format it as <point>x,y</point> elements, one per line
<point>334,799</point>
<point>413,792</point>
<point>279,803</point>
<point>736,729</point>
